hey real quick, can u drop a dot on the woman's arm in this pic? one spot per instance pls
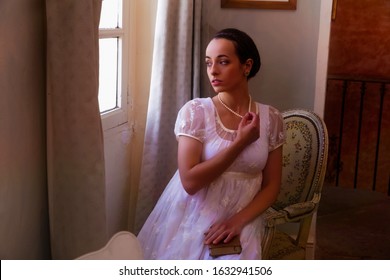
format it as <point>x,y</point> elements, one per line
<point>272,175</point>
<point>195,174</point>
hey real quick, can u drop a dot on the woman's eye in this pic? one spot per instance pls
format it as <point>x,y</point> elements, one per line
<point>208,63</point>
<point>224,62</point>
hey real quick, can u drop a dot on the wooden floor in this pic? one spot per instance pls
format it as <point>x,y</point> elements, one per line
<point>353,224</point>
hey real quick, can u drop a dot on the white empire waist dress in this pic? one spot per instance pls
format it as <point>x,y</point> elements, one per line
<point>175,228</point>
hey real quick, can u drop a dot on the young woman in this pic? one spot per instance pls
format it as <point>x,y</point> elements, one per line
<point>230,163</point>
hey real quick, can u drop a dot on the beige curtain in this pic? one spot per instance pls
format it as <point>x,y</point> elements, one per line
<point>76,188</point>
<point>175,80</point>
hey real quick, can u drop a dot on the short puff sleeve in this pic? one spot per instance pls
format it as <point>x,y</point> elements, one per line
<point>191,121</point>
<point>276,129</point>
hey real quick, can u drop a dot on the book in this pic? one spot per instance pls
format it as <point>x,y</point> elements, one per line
<point>229,248</point>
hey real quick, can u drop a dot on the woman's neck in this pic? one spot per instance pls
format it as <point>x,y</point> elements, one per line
<point>239,109</point>
<point>237,101</point>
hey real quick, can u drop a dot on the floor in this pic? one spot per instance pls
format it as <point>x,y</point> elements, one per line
<point>353,225</point>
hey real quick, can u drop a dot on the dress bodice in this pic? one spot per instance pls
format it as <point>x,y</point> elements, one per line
<point>199,119</point>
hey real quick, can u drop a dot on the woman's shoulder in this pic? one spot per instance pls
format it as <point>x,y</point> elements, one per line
<point>191,119</point>
<point>198,103</point>
<point>274,124</point>
<point>197,107</point>
<point>200,100</point>
<point>268,109</point>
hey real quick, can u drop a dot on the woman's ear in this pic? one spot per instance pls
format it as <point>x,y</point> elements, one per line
<point>249,61</point>
<point>248,66</point>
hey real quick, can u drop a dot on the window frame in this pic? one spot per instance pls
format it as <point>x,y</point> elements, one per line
<point>119,116</point>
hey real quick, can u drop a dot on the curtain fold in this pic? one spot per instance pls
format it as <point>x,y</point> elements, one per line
<point>76,179</point>
<point>175,80</point>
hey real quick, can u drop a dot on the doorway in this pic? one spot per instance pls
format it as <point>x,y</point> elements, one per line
<point>357,96</point>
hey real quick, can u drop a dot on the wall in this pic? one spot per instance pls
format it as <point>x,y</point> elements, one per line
<point>288,44</point>
<point>23,197</point>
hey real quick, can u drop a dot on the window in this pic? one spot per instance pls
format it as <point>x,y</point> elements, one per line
<point>113,62</point>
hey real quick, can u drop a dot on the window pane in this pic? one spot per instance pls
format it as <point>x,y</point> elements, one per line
<point>108,74</point>
<point>110,14</point>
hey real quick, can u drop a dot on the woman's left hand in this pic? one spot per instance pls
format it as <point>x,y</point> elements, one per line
<point>223,231</point>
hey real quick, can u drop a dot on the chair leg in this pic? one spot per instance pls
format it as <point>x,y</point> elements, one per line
<point>304,231</point>
<point>266,242</point>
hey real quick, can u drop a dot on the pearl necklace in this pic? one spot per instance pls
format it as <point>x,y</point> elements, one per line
<point>232,111</point>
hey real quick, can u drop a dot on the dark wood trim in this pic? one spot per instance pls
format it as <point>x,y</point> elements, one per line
<point>259,4</point>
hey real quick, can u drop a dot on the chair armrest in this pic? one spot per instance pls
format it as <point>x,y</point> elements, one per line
<point>291,213</point>
<point>273,217</point>
<point>299,209</point>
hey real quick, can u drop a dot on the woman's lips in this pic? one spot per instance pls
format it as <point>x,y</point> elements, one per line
<point>216,82</point>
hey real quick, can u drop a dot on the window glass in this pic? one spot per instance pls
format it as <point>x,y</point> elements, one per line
<point>111,14</point>
<point>108,74</point>
<point>113,62</point>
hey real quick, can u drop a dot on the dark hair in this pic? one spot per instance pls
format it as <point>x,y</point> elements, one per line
<point>245,47</point>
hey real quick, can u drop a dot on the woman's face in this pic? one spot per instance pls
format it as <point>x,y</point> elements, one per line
<point>224,69</point>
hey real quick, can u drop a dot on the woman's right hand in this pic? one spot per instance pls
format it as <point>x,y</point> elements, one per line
<point>248,129</point>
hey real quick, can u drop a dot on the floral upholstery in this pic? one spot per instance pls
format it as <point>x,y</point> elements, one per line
<point>304,166</point>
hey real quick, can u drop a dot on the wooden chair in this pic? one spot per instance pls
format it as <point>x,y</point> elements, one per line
<point>304,164</point>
